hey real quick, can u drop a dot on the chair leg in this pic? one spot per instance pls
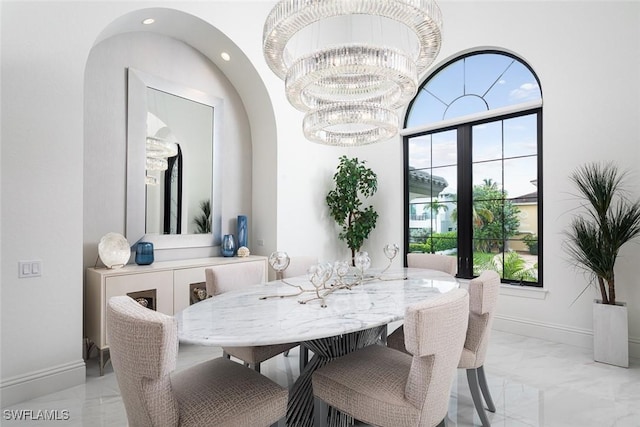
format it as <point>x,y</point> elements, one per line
<point>485,390</point>
<point>472,379</point>
<point>320,412</point>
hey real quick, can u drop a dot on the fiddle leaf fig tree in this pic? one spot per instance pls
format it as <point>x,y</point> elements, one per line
<point>353,183</point>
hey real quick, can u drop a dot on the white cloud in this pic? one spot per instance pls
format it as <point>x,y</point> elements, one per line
<point>525,91</point>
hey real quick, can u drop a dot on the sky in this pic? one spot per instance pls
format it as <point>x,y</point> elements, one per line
<point>475,85</point>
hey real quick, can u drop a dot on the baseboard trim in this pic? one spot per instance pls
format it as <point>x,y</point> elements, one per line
<point>553,332</point>
<point>39,383</point>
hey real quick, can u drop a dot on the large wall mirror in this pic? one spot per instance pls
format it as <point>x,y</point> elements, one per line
<point>173,165</point>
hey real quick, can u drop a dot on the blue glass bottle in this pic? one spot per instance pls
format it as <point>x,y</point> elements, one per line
<point>228,247</point>
<point>144,253</point>
<point>242,231</point>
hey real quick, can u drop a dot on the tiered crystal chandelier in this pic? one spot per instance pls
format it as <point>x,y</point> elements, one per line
<point>160,145</point>
<point>349,64</point>
<point>158,150</point>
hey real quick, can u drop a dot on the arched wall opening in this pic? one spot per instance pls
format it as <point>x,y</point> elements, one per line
<point>183,48</point>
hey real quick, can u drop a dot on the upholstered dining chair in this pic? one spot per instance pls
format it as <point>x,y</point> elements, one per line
<point>483,294</point>
<point>227,277</point>
<point>445,263</point>
<point>384,387</point>
<point>144,345</point>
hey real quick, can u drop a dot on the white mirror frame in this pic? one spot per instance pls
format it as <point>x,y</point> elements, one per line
<point>138,82</point>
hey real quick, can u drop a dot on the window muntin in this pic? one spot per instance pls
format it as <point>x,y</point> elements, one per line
<point>432,184</point>
<point>475,83</point>
<point>490,164</point>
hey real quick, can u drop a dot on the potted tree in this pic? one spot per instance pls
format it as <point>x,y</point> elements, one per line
<point>353,182</point>
<point>594,239</point>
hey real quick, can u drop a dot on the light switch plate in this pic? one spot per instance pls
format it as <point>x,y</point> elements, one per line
<point>32,268</point>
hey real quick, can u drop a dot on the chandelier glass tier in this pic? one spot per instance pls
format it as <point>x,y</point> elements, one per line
<point>158,150</point>
<point>348,64</point>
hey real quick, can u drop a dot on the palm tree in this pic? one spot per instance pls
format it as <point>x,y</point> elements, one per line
<point>434,207</point>
<point>479,216</point>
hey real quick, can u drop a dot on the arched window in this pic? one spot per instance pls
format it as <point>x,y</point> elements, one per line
<point>472,149</point>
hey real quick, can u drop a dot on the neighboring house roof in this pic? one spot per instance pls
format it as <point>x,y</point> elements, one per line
<point>423,183</point>
<point>526,198</point>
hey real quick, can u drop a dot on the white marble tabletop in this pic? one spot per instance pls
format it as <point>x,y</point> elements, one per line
<point>241,318</point>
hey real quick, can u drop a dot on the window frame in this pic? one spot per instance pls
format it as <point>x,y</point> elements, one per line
<point>463,126</point>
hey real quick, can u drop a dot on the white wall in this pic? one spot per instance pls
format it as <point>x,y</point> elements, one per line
<point>42,77</point>
<point>585,53</point>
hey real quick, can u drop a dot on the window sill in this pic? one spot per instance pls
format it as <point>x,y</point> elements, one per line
<point>515,290</point>
<point>523,291</point>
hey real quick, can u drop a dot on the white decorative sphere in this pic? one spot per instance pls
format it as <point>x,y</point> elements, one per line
<point>114,250</point>
<point>243,251</point>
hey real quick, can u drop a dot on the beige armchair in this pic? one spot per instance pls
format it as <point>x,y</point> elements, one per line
<point>483,292</point>
<point>384,387</point>
<point>445,263</point>
<point>227,277</point>
<point>144,346</point>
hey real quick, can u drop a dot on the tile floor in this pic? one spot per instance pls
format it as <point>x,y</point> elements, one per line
<point>533,383</point>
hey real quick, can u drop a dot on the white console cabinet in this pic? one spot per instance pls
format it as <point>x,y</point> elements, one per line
<point>166,286</point>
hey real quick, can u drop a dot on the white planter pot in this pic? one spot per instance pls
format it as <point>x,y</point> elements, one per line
<point>610,334</point>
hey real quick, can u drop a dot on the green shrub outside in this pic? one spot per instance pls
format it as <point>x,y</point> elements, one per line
<point>531,240</point>
<point>436,243</point>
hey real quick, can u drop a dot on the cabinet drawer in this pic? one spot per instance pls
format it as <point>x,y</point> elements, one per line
<point>182,281</point>
<point>159,283</point>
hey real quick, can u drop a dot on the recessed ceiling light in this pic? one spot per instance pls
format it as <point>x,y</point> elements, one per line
<point>225,56</point>
<point>148,21</point>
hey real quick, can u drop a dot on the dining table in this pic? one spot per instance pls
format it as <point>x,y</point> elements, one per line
<point>353,313</point>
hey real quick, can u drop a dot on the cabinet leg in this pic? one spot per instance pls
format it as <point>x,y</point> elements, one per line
<point>88,348</point>
<point>103,360</point>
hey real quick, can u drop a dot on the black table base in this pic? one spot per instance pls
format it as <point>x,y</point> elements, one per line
<point>300,407</point>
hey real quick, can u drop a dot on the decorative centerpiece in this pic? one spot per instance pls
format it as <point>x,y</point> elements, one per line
<point>279,261</point>
<point>320,275</point>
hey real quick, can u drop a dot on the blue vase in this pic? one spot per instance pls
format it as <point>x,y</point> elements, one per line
<point>228,247</point>
<point>144,253</point>
<point>242,231</point>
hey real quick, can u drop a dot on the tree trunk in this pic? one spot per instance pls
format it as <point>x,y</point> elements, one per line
<point>353,250</point>
<point>603,290</point>
<point>612,290</point>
